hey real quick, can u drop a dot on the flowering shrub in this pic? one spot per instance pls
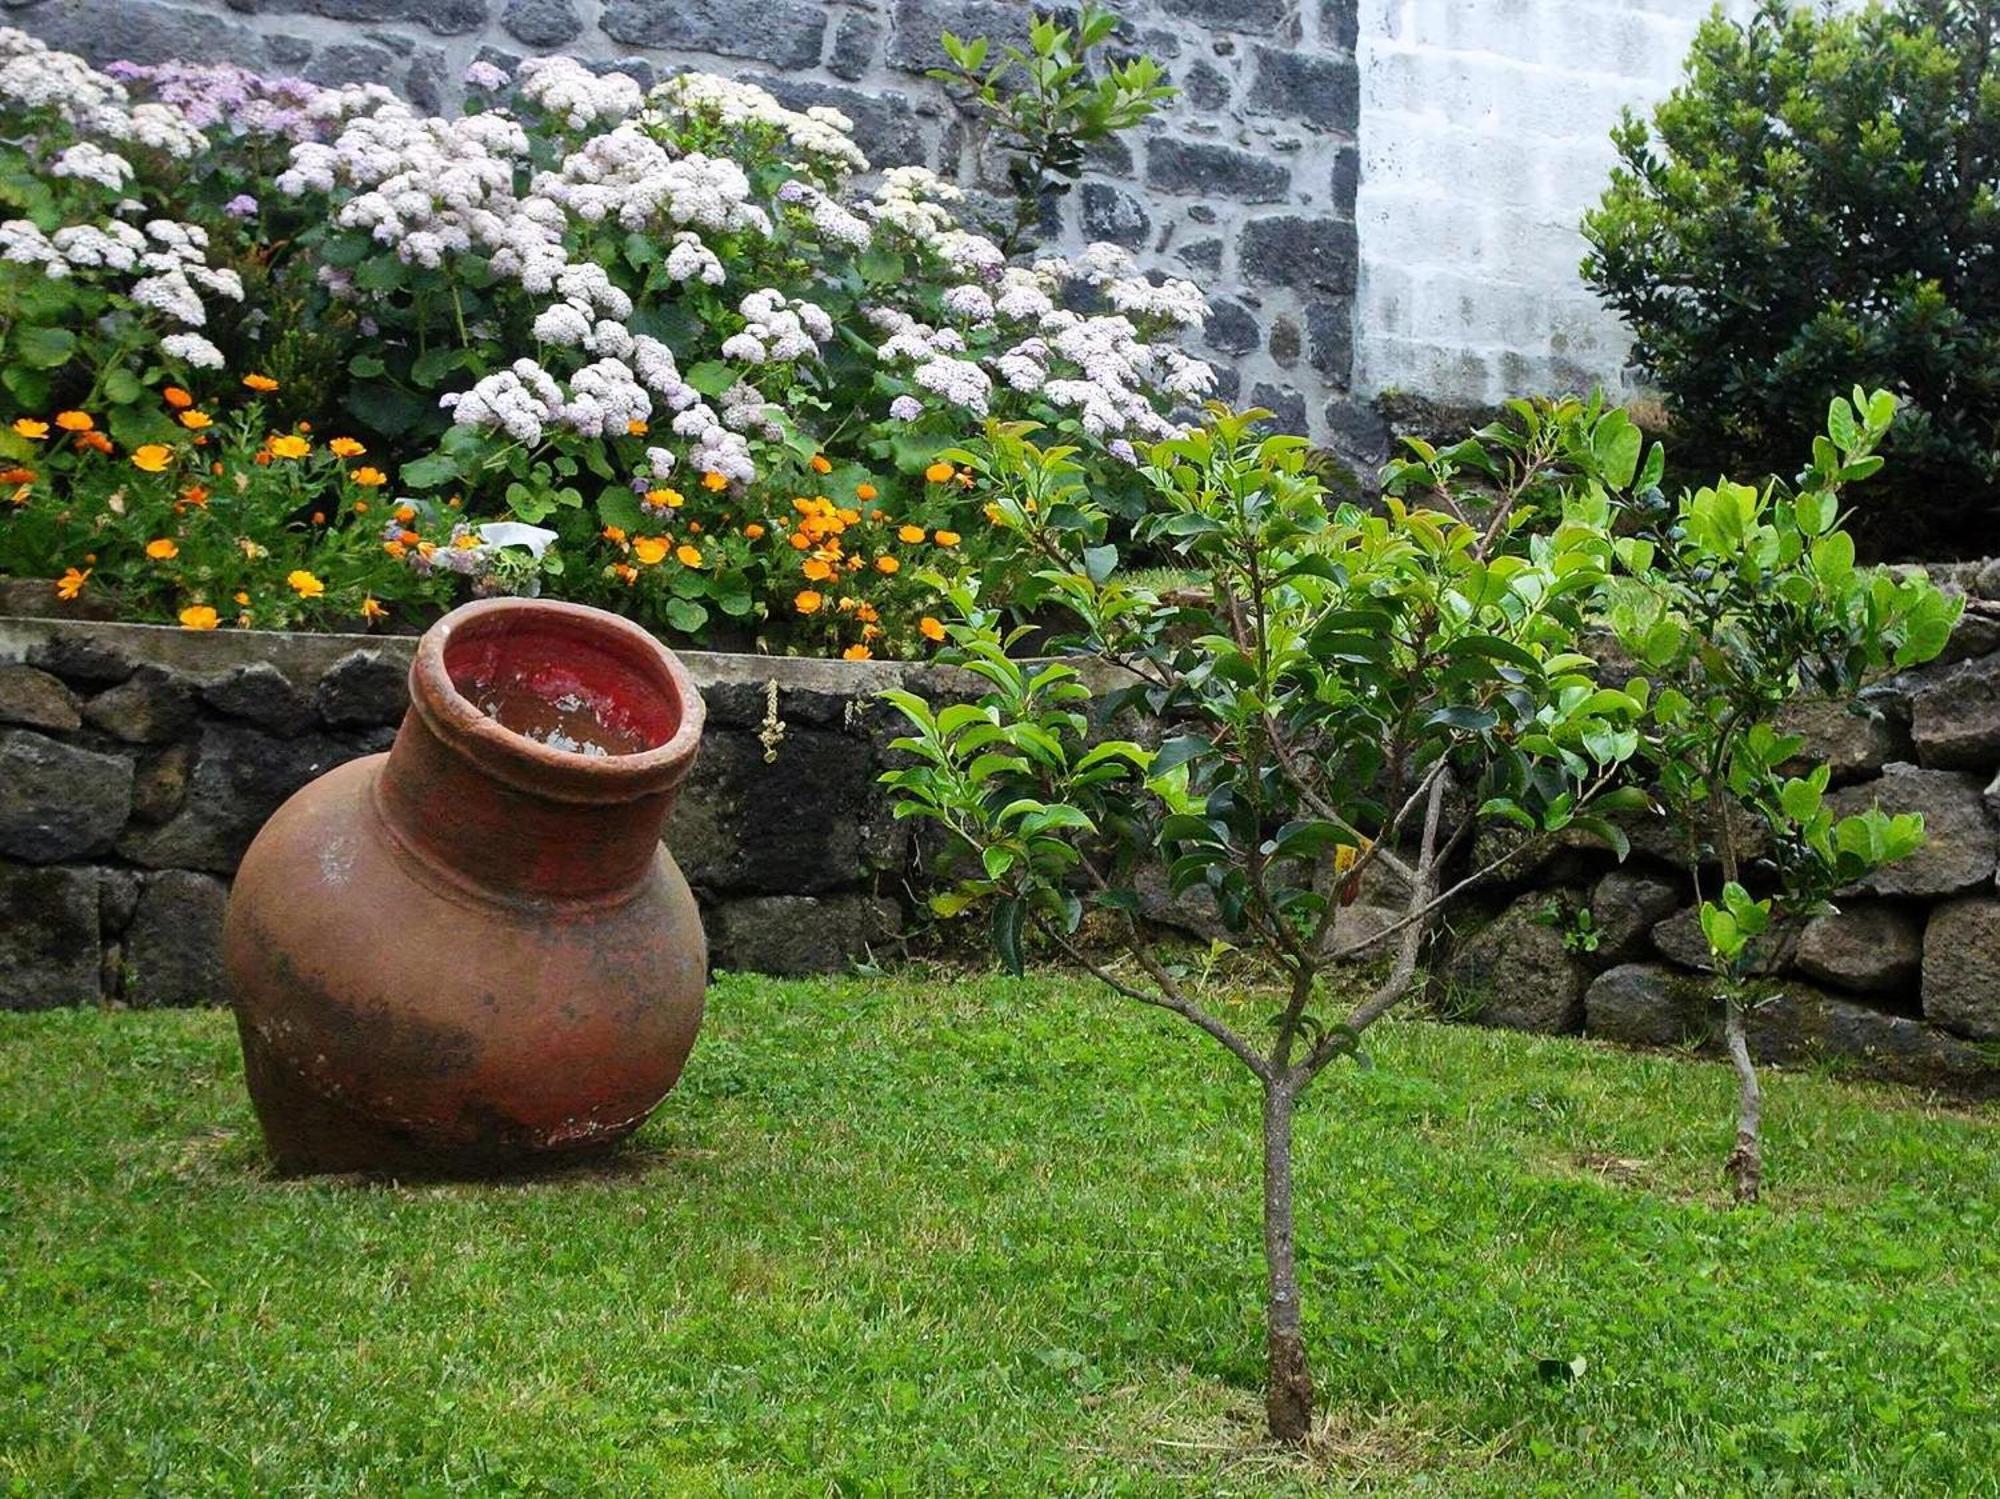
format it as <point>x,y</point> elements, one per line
<point>668,327</point>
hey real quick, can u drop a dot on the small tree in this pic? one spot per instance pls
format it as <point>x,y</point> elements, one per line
<point>1343,692</point>
<point>1044,105</point>
<point>1815,207</point>
<point>1737,601</point>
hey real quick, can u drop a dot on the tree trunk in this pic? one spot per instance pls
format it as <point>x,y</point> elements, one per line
<point>1288,1389</point>
<point>1745,1166</point>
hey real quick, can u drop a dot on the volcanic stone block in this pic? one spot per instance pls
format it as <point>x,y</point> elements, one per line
<point>1955,718</point>
<point>1867,947</point>
<point>785,33</point>
<point>363,688</point>
<point>261,694</point>
<point>50,955</point>
<point>151,706</point>
<point>1645,1004</point>
<point>58,801</point>
<point>541,23</point>
<point>37,700</point>
<point>173,948</point>
<point>1308,254</point>
<point>1515,972</point>
<point>1625,906</point>
<point>798,934</point>
<point>1174,165</point>
<point>1961,845</point>
<point>1324,92</point>
<point>1961,967</point>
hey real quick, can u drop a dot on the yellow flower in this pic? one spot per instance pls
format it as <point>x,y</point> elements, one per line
<point>818,569</point>
<point>820,464</point>
<point>162,549</point>
<point>27,426</point>
<point>714,481</point>
<point>346,447</point>
<point>930,629</point>
<point>194,421</point>
<point>74,421</point>
<point>857,653</point>
<point>670,499</point>
<point>153,457</point>
<point>887,565</point>
<point>649,550</point>
<point>689,556</point>
<point>865,492</point>
<point>304,584</point>
<point>199,617</point>
<point>242,598</point>
<point>70,584</point>
<point>910,534</point>
<point>945,538</point>
<point>372,610</point>
<point>289,446</point>
<point>614,533</point>
<point>807,602</point>
<point>370,478</point>
<point>260,382</point>
<point>753,530</point>
<point>636,428</point>
<point>938,473</point>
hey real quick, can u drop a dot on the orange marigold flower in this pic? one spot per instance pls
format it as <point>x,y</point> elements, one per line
<point>241,597</point>
<point>94,440</point>
<point>800,541</point>
<point>74,421</point>
<point>195,495</point>
<point>866,613</point>
<point>408,538</point>
<point>370,478</point>
<point>406,513</point>
<point>668,499</point>
<point>289,446</point>
<point>626,571</point>
<point>304,584</point>
<point>910,534</point>
<point>319,517</point>
<point>713,480</point>
<point>195,421</point>
<point>163,549</point>
<point>360,507</point>
<point>818,569</point>
<point>753,530</point>
<point>304,427</point>
<point>70,584</point>
<point>930,628</point>
<point>865,492</point>
<point>21,493</point>
<point>821,464</point>
<point>153,457</point>
<point>18,476</point>
<point>688,556</point>
<point>27,426</point>
<point>848,517</point>
<point>346,447</point>
<point>177,398</point>
<point>650,550</point>
<point>372,610</point>
<point>614,533</point>
<point>945,538</point>
<point>260,382</point>
<point>937,473</point>
<point>199,617</point>
<point>394,548</point>
<point>806,601</point>
<point>857,653</point>
<point>887,565</point>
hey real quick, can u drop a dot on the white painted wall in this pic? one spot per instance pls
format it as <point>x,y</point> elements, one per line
<point>1485,134</point>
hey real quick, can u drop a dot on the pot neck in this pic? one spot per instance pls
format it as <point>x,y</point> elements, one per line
<point>516,817</point>
<point>456,815</point>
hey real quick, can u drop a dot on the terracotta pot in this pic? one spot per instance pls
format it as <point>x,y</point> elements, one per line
<point>472,953</point>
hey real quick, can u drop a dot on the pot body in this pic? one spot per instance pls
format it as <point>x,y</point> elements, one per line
<point>472,953</point>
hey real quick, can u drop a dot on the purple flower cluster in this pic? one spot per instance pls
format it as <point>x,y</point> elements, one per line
<point>212,94</point>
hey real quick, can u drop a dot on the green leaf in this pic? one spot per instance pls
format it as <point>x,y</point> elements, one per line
<point>429,472</point>
<point>44,348</point>
<point>1008,914</point>
<point>711,377</point>
<point>686,616</point>
<point>1100,562</point>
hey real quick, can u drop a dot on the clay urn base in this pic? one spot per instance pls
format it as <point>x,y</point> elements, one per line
<point>472,954</point>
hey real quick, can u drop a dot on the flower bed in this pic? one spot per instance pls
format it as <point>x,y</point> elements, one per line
<point>291,356</point>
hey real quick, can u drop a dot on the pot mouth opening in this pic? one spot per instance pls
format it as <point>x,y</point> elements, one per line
<point>559,688</point>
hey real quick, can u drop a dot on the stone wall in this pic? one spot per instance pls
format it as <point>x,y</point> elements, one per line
<point>1485,134</point>
<point>1903,983</point>
<point>1246,183</point>
<point>138,761</point>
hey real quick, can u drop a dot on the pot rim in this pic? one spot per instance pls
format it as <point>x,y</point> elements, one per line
<point>540,769</point>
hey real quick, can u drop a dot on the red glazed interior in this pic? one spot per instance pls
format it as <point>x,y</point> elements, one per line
<point>564,683</point>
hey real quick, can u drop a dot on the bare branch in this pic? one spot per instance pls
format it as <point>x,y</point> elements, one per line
<point>1410,949</point>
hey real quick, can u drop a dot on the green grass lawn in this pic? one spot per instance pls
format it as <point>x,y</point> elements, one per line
<point>945,1234</point>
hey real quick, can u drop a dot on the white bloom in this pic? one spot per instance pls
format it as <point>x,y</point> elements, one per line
<point>93,163</point>
<point>193,348</point>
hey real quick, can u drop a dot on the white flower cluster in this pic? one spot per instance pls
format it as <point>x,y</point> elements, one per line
<point>565,88</point>
<point>777,329</point>
<point>627,176</point>
<point>170,261</point>
<point>912,199</point>
<point>35,79</point>
<point>823,137</point>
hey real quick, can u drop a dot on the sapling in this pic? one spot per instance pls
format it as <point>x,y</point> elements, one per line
<point>1343,696</point>
<point>1737,601</point>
